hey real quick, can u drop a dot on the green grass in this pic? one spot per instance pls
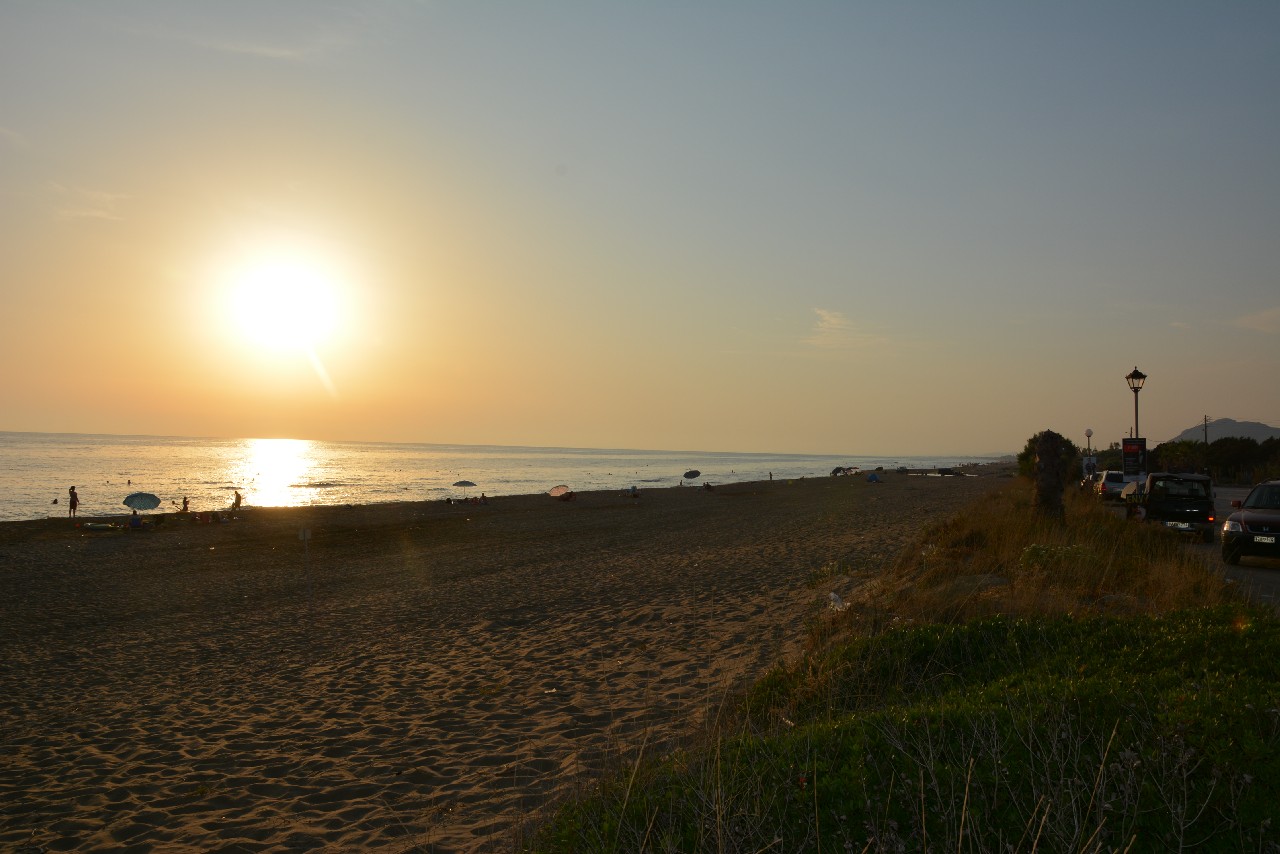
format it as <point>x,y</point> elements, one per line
<point>1098,690</point>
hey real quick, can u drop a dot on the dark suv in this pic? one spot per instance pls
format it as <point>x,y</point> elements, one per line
<point>1180,502</point>
<point>1253,527</point>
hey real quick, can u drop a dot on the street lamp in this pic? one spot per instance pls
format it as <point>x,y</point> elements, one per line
<point>1088,439</point>
<point>1135,381</point>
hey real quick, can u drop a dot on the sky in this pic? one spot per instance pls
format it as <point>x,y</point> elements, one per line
<point>814,227</point>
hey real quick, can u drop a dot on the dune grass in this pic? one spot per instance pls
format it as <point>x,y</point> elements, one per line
<point>1010,685</point>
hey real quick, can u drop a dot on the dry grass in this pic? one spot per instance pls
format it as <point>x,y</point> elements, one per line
<point>999,557</point>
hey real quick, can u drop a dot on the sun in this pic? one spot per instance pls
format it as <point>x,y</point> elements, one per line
<point>285,301</point>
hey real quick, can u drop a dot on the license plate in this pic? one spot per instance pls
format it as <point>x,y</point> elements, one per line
<point>1181,526</point>
<point>1260,539</point>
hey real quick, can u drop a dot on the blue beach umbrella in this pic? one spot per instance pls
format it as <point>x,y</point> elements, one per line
<point>141,501</point>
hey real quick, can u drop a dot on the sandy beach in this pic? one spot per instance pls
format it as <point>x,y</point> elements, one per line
<point>424,677</point>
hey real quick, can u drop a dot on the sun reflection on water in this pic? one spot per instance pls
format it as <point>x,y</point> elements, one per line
<point>276,472</point>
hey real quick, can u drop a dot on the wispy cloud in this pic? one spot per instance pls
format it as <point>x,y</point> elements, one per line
<point>300,51</point>
<point>833,331</point>
<point>11,138</point>
<point>1267,320</point>
<point>74,203</point>
<point>293,41</point>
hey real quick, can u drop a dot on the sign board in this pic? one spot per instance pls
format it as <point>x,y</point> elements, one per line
<point>1090,466</point>
<point>1134,455</point>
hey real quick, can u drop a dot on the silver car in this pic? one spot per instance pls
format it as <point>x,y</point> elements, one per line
<point>1112,483</point>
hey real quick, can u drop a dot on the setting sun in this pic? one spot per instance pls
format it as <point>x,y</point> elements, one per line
<point>285,302</point>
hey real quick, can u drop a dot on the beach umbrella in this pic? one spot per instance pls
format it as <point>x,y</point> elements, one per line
<point>141,501</point>
<point>557,491</point>
<point>464,484</point>
<point>691,474</point>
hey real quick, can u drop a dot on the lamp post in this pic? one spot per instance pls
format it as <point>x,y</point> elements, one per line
<point>1088,440</point>
<point>1135,381</point>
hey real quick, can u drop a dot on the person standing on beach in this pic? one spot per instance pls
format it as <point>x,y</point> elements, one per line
<point>73,501</point>
<point>235,502</point>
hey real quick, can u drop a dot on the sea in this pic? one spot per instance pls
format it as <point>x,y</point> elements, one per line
<point>37,470</point>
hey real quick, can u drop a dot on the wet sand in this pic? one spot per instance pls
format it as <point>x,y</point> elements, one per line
<point>423,677</point>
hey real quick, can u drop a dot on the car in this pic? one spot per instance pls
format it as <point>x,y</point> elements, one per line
<point>1179,502</point>
<point>1253,528</point>
<point>1111,483</point>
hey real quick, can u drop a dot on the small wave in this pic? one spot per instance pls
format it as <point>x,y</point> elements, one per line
<point>317,484</point>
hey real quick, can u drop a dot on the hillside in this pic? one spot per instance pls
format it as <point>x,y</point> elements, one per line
<point>1224,427</point>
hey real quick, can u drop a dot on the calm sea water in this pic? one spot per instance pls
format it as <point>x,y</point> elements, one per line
<point>36,468</point>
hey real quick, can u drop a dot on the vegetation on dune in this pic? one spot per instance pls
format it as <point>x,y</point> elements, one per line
<point>1016,683</point>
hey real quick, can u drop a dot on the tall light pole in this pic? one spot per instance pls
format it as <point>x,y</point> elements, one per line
<point>1088,440</point>
<point>1135,381</point>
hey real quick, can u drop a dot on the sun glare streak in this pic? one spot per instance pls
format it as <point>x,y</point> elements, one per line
<point>318,367</point>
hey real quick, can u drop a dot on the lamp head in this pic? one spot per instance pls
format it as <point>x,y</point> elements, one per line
<point>1136,379</point>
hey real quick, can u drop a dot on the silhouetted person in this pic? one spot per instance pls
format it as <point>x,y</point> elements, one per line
<point>235,502</point>
<point>73,501</point>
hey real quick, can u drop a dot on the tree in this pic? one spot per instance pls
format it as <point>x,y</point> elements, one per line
<point>1183,455</point>
<point>1050,460</point>
<point>1234,459</point>
<point>1069,461</point>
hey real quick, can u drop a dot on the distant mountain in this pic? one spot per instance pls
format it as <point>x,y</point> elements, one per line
<point>1223,427</point>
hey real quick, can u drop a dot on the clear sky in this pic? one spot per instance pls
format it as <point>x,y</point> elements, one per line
<point>841,227</point>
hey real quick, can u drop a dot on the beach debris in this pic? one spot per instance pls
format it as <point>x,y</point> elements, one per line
<point>835,603</point>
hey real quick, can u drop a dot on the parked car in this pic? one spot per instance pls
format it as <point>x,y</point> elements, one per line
<point>1180,502</point>
<point>1111,483</point>
<point>1254,524</point>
